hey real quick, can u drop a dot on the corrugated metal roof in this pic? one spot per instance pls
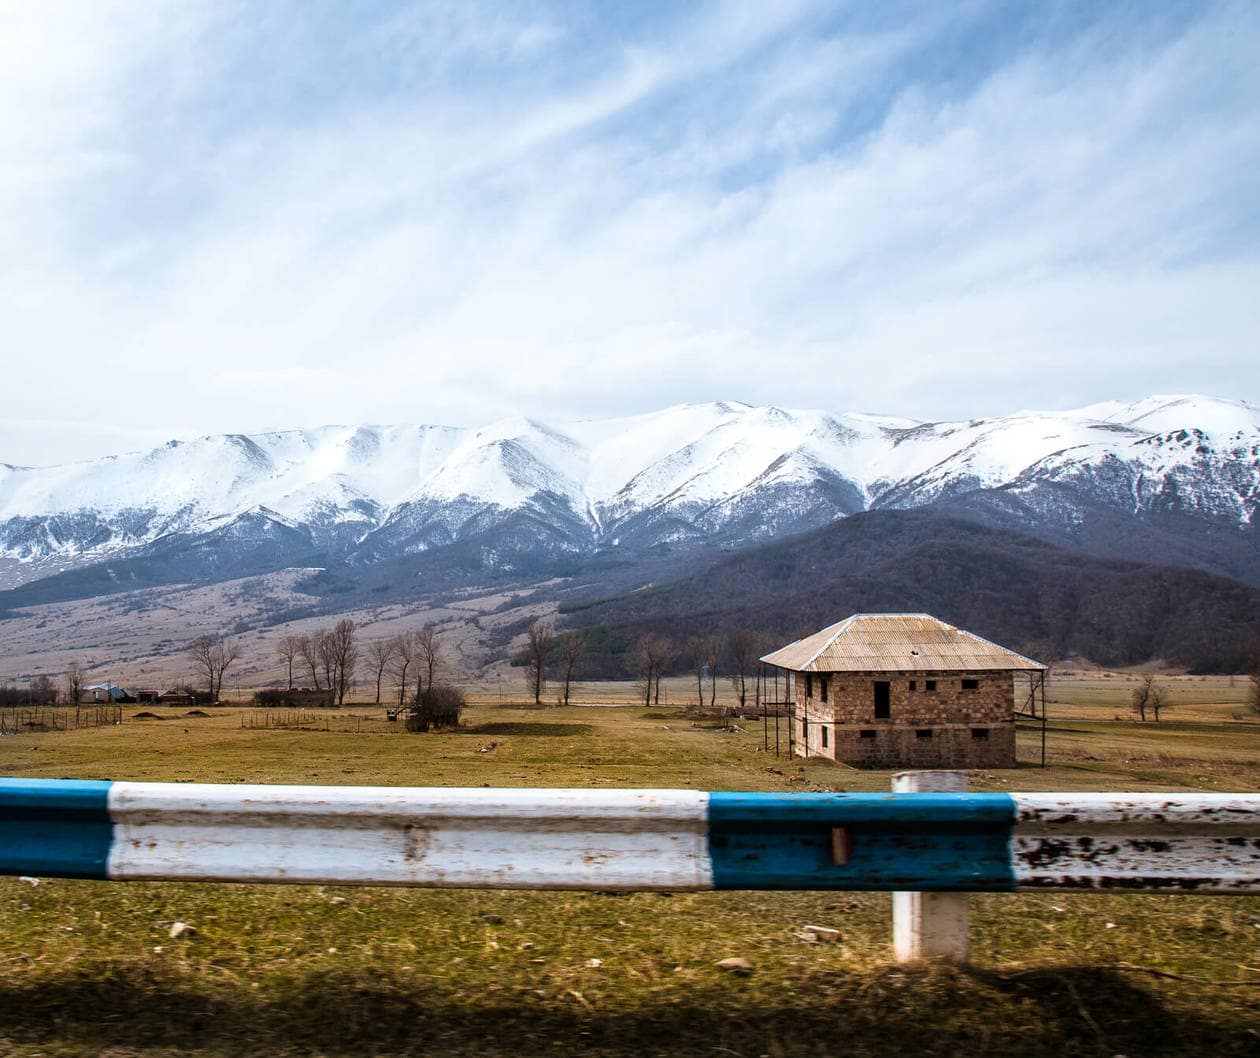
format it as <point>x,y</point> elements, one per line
<point>896,642</point>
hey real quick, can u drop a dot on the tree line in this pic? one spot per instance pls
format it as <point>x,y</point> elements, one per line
<point>409,662</point>
<point>548,653</point>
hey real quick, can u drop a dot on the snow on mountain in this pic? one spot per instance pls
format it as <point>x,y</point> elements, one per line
<point>687,471</point>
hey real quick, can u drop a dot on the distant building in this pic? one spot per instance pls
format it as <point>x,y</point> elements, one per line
<point>104,692</point>
<point>903,691</point>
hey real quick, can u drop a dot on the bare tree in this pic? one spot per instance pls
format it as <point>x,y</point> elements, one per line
<point>1160,700</point>
<point>572,647</point>
<point>651,653</point>
<point>380,652</point>
<point>213,656</point>
<point>538,640</point>
<point>75,678</point>
<point>742,644</point>
<point>289,649</point>
<point>1149,695</point>
<point>404,658</point>
<point>41,690</point>
<point>344,650</point>
<point>326,650</point>
<point>428,657</point>
<point>308,647</point>
<point>713,659</point>
<point>697,653</point>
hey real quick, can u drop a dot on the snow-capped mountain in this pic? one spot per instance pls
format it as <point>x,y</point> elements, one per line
<point>689,473</point>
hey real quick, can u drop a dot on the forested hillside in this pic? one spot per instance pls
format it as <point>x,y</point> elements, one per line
<point>1009,587</point>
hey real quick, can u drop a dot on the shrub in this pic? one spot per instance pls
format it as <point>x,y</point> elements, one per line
<point>438,707</point>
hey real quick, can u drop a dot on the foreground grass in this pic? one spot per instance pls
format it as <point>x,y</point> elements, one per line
<point>90,968</point>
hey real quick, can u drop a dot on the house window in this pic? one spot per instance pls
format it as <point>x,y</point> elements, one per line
<point>923,732</point>
<point>970,685</point>
<point>914,685</point>
<point>822,686</point>
<point>809,685</point>
<point>980,734</point>
<point>867,732</point>
<point>883,700</point>
<point>824,735</point>
<point>929,685</point>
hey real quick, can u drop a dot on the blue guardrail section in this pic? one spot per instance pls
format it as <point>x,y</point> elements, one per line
<point>927,841</point>
<point>55,827</point>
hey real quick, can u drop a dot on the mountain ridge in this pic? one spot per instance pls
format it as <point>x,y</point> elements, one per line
<point>676,477</point>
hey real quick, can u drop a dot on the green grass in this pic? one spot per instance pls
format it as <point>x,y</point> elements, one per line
<point>89,968</point>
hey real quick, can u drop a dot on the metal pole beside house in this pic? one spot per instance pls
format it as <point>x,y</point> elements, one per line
<point>1044,720</point>
<point>929,925</point>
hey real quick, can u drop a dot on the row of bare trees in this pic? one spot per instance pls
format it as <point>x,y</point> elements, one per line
<point>705,655</point>
<point>330,656</point>
<point>545,652</point>
<point>548,652</point>
<point>40,691</point>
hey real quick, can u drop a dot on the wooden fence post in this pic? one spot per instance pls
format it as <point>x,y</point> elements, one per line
<point>929,925</point>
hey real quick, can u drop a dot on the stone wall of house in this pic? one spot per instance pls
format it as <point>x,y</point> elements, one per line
<point>933,722</point>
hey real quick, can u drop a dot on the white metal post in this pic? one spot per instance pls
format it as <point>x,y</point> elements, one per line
<point>929,925</point>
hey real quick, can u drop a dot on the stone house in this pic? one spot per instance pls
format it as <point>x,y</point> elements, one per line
<point>903,691</point>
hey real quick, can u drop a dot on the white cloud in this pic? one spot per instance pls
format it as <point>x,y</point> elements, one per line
<point>746,203</point>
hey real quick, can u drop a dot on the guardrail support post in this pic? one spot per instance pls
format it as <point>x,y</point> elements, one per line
<point>929,925</point>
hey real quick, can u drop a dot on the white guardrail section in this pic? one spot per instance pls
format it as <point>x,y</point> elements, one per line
<point>478,838</point>
<point>1189,843</point>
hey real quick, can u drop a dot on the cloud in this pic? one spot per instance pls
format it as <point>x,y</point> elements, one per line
<point>232,219</point>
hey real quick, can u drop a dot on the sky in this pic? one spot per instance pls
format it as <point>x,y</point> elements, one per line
<point>224,217</point>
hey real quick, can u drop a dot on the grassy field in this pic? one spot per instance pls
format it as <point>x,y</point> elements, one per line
<point>89,968</point>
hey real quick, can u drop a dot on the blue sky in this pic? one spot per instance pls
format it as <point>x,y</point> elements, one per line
<point>226,216</point>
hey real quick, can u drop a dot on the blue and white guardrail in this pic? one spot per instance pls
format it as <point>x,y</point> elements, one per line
<point>629,839</point>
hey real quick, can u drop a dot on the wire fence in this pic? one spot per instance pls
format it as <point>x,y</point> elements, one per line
<point>308,720</point>
<point>16,720</point>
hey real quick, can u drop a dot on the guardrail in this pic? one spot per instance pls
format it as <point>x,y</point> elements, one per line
<point>934,842</point>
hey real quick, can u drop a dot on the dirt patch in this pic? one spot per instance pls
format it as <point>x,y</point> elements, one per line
<point>552,730</point>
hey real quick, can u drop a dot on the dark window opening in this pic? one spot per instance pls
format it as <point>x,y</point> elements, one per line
<point>824,738</point>
<point>809,685</point>
<point>822,687</point>
<point>970,685</point>
<point>883,700</point>
<point>914,685</point>
<point>923,732</point>
<point>929,685</point>
<point>980,734</point>
<point>867,732</point>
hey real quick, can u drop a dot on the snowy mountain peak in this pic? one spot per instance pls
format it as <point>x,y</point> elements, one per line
<point>691,470</point>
